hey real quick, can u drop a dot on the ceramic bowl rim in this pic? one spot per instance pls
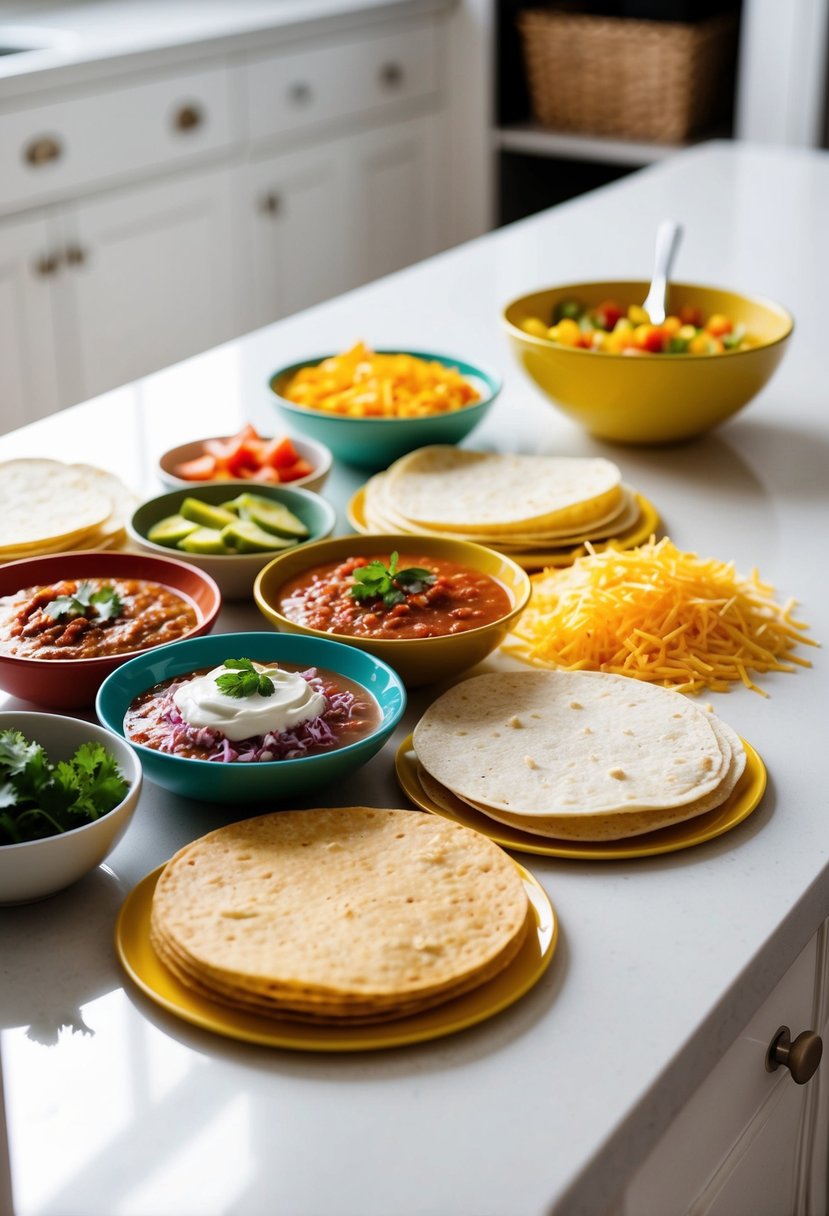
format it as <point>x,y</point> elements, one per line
<point>765,302</point>
<point>162,550</point>
<point>444,638</point>
<point>320,470</point>
<point>202,766</point>
<point>134,781</point>
<point>208,619</point>
<point>479,371</point>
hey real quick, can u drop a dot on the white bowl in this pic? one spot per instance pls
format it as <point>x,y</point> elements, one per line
<point>37,868</point>
<point>317,455</point>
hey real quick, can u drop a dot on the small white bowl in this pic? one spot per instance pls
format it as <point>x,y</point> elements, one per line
<point>37,868</point>
<point>317,455</point>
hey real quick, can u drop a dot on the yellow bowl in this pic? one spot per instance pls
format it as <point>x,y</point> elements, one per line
<point>653,398</point>
<point>416,660</point>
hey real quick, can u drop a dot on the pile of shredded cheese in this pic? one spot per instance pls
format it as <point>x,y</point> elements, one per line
<point>361,383</point>
<point>658,614</point>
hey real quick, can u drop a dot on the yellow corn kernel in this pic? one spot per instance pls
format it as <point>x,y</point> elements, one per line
<point>638,315</point>
<point>688,332</point>
<point>535,327</point>
<point>671,326</point>
<point>567,331</point>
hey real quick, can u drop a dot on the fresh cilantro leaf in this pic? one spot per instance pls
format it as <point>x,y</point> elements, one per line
<point>105,603</point>
<point>38,798</point>
<point>376,581</point>
<point>243,680</point>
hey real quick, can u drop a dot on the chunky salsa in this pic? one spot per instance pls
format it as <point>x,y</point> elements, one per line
<point>419,597</point>
<point>92,618</point>
<point>342,712</point>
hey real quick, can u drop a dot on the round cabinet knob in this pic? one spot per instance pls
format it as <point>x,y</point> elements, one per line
<point>42,151</point>
<point>188,117</point>
<point>801,1056</point>
<point>270,204</point>
<point>75,255</point>
<point>391,75</point>
<point>47,265</point>
<point>300,93</point>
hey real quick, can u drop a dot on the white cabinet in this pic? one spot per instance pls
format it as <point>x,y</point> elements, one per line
<point>396,205</point>
<point>750,1142</point>
<point>148,281</point>
<point>295,218</point>
<point>337,214</point>
<point>28,354</point>
<point>168,212</point>
<point>96,293</point>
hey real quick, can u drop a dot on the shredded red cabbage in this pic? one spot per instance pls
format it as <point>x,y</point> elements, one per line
<point>315,734</point>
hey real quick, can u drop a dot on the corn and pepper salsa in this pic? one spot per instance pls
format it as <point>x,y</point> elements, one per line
<point>616,330</point>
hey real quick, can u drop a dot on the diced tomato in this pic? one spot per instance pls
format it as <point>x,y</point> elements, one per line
<point>300,468</point>
<point>266,474</point>
<point>689,315</point>
<point>279,453</point>
<point>203,468</point>
<point>246,456</point>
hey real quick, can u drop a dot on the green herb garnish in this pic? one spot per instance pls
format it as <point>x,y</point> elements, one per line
<point>243,680</point>
<point>376,581</point>
<point>105,603</point>
<point>39,799</point>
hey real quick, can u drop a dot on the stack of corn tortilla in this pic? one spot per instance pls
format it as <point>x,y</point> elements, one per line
<point>342,916</point>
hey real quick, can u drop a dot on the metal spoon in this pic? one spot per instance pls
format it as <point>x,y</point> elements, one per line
<point>668,236</point>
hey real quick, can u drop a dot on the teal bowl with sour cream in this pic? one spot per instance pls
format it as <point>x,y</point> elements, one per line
<point>334,734</point>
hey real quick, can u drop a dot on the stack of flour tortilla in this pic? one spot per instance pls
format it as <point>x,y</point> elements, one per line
<point>47,506</point>
<point>343,915</point>
<point>513,502</point>
<point>576,755</point>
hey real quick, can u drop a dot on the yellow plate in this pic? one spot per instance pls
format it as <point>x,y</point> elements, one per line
<point>738,806</point>
<point>636,534</point>
<point>132,943</point>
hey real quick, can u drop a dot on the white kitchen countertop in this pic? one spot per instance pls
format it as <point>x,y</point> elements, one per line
<point>116,1109</point>
<point>74,43</point>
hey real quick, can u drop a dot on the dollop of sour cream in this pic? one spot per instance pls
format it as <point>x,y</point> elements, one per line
<point>201,703</point>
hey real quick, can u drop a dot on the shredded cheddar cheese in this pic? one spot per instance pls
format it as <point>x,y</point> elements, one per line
<point>658,614</point>
<point>363,384</point>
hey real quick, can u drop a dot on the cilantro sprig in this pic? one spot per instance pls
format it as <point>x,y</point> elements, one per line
<point>105,604</point>
<point>377,581</point>
<point>39,799</point>
<point>243,680</point>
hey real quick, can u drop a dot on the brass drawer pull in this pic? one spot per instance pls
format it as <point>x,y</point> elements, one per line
<point>42,151</point>
<point>188,117</point>
<point>47,265</point>
<point>391,75</point>
<point>271,204</point>
<point>801,1057</point>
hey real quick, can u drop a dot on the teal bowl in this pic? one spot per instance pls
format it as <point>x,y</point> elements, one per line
<point>263,781</point>
<point>234,572</point>
<point>373,443</point>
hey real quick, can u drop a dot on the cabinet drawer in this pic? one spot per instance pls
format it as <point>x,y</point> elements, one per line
<point>67,144</point>
<point>700,1153</point>
<point>295,89</point>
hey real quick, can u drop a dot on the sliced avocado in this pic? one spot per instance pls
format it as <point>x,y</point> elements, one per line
<point>171,530</point>
<point>205,514</point>
<point>247,537</point>
<point>268,514</point>
<point>204,540</point>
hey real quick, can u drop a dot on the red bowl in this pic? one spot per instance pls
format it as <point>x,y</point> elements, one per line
<point>73,683</point>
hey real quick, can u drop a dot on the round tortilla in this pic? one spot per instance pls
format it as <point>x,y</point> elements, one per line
<point>45,501</point>
<point>579,743</point>
<point>449,488</point>
<point>342,910</point>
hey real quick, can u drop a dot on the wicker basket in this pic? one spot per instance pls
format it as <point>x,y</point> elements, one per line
<point>642,80</point>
